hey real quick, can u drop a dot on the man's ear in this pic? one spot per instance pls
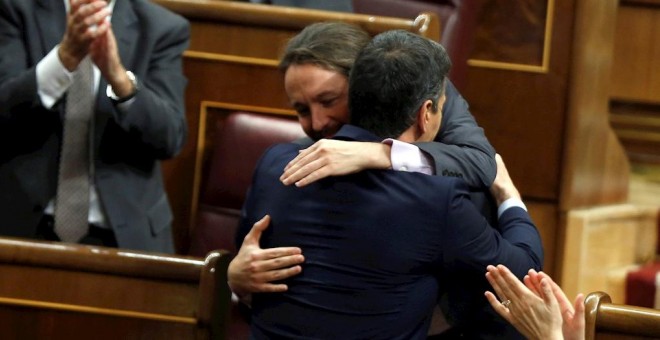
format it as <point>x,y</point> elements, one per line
<point>424,116</point>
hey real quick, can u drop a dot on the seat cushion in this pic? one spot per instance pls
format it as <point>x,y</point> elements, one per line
<point>642,286</point>
<point>239,140</point>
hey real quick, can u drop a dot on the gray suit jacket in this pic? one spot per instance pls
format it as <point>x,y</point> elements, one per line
<point>127,147</point>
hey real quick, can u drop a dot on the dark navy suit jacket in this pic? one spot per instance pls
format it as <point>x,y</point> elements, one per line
<point>378,245</point>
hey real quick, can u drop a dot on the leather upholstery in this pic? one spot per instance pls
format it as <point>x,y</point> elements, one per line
<point>642,286</point>
<point>458,19</point>
<point>239,141</point>
<point>643,283</point>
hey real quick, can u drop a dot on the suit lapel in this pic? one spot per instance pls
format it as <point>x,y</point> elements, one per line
<point>50,17</point>
<point>125,28</point>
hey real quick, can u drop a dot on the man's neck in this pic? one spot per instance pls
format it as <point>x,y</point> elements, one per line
<point>411,135</point>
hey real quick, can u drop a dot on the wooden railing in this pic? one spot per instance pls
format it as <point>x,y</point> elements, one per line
<point>55,290</point>
<point>605,320</point>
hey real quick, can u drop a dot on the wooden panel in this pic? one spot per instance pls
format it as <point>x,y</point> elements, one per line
<point>595,167</point>
<point>552,128</point>
<point>209,37</point>
<point>638,127</point>
<point>512,32</point>
<point>523,113</point>
<point>34,323</point>
<point>545,216</point>
<point>597,241</point>
<point>636,70</point>
<point>174,298</point>
<point>55,286</point>
<point>635,92</point>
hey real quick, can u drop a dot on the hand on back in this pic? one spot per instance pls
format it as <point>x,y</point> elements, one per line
<point>253,269</point>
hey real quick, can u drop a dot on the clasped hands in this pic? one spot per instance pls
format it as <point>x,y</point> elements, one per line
<point>537,307</point>
<point>89,32</point>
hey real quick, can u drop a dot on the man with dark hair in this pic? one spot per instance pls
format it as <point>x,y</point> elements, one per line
<point>391,66</point>
<point>380,244</point>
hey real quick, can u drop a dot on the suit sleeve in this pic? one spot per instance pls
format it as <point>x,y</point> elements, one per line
<point>18,81</point>
<point>158,113</point>
<point>251,203</point>
<point>472,243</point>
<point>461,148</point>
<point>243,223</point>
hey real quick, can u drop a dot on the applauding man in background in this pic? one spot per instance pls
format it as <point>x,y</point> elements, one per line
<point>91,99</point>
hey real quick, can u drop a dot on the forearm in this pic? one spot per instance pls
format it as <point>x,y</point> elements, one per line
<point>517,228</point>
<point>157,111</point>
<point>18,86</point>
<point>18,95</point>
<point>477,167</point>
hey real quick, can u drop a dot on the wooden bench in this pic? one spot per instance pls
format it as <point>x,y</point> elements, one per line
<point>55,290</point>
<point>259,31</point>
<point>231,65</point>
<point>605,320</point>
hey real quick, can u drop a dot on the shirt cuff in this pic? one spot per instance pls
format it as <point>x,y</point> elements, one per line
<point>235,298</point>
<point>510,203</point>
<point>123,106</point>
<point>53,79</point>
<point>408,157</point>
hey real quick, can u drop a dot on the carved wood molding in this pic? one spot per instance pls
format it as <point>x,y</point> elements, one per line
<point>523,67</point>
<point>66,307</point>
<point>637,125</point>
